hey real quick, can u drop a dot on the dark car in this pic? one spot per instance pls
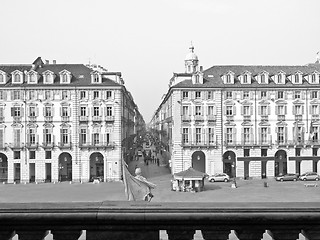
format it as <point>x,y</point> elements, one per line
<point>287,177</point>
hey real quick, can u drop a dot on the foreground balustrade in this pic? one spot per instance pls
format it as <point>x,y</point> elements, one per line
<point>140,220</point>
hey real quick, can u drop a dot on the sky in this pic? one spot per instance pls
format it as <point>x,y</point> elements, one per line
<point>147,40</point>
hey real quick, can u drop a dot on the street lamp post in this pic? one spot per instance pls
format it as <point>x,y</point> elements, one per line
<point>60,170</point>
<point>234,168</point>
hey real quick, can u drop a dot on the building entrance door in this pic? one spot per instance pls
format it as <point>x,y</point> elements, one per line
<point>263,169</point>
<point>199,161</point>
<point>246,170</point>
<point>32,172</point>
<point>17,176</point>
<point>48,172</point>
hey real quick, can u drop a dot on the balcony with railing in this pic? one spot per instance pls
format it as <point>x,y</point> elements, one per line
<point>17,119</point>
<point>185,118</point>
<point>48,145</point>
<point>281,118</point>
<point>247,118</point>
<point>315,118</point>
<point>16,145</point>
<point>198,118</point>
<point>201,144</point>
<point>298,118</point>
<point>264,118</point>
<point>248,143</point>
<point>140,220</point>
<point>65,119</point>
<point>97,145</point>
<point>83,118</point>
<point>109,118</point>
<point>64,145</point>
<point>32,118</point>
<point>32,145</point>
<point>48,118</point>
<point>96,118</point>
<point>211,118</point>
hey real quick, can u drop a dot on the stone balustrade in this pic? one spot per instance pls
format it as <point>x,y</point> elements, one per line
<point>142,220</point>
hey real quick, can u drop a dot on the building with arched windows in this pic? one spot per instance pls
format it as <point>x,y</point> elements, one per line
<point>63,122</point>
<point>246,121</point>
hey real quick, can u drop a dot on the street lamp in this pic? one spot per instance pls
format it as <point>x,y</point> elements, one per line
<point>60,171</point>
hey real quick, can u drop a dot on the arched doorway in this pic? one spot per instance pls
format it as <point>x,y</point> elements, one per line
<point>65,167</point>
<point>229,163</point>
<point>96,166</point>
<point>3,168</point>
<point>280,164</point>
<point>199,161</point>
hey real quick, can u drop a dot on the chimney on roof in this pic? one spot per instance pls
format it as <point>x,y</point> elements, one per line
<point>54,61</point>
<point>201,68</point>
<point>318,59</point>
<point>47,61</point>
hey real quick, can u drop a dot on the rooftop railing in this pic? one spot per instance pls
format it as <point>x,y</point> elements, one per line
<point>141,220</point>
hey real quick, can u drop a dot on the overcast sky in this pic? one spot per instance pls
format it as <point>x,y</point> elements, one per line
<point>147,40</point>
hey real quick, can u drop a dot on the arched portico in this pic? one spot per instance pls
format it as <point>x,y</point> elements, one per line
<point>280,162</point>
<point>65,167</point>
<point>229,163</point>
<point>96,166</point>
<point>199,161</point>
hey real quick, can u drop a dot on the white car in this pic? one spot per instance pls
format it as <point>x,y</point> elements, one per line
<point>309,176</point>
<point>219,177</point>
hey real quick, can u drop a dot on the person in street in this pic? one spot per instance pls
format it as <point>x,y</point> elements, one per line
<point>151,185</point>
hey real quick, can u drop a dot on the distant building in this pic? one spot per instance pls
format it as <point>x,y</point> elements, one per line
<point>63,122</point>
<point>246,121</point>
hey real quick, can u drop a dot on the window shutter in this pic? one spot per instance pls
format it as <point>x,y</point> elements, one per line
<point>37,111</point>
<point>100,111</point>
<point>44,135</point>
<point>269,110</point>
<point>22,111</point>
<point>251,110</point>
<point>303,95</point>
<point>234,95</point>
<point>52,111</point>
<point>101,138</point>
<point>11,95</point>
<point>224,95</point>
<point>69,136</point>
<point>12,111</point>
<point>259,95</point>
<point>37,139</point>
<point>285,109</point>
<point>285,95</point>
<point>60,136</point>
<point>1,112</point>
<point>259,110</point>
<point>286,133</point>
<point>1,138</point>
<point>87,112</point>
<point>234,110</point>
<point>242,110</point>
<point>302,107</point>
<point>92,112</point>
<point>293,110</point>
<point>60,111</point>
<point>310,110</point>
<point>252,94</point>
<point>69,111</point>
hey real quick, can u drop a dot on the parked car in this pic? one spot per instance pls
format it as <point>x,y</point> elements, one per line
<point>287,177</point>
<point>309,176</point>
<point>219,177</point>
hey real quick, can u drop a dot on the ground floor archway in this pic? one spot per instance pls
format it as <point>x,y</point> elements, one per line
<point>199,161</point>
<point>3,168</point>
<point>96,166</point>
<point>280,162</point>
<point>229,163</point>
<point>65,167</point>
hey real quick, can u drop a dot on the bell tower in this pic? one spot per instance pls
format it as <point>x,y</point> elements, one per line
<point>191,61</point>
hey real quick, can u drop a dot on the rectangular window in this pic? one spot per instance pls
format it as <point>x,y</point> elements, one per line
<point>109,111</point>
<point>83,136</point>
<point>314,94</point>
<point>228,78</point>
<point>280,95</point>
<point>297,110</point>
<point>314,151</point>
<point>229,110</point>
<point>264,135</point>
<point>198,95</point>
<point>16,154</point>
<point>83,111</point>
<point>96,111</point>
<point>198,111</point>
<point>185,110</point>
<point>32,94</point>
<point>314,109</point>
<point>32,136</point>
<point>32,154</point>
<point>83,94</point>
<point>246,135</point>
<point>48,111</point>
<point>246,152</point>
<point>32,111</point>
<point>263,78</point>
<point>280,78</point>
<point>16,95</point>
<point>229,95</point>
<point>263,94</point>
<point>211,110</point>
<point>198,135</point>
<point>47,94</point>
<point>296,78</point>
<point>210,95</point>
<point>16,111</point>
<point>108,94</point>
<point>107,138</point>
<point>95,139</point>
<point>280,135</point>
<point>297,94</point>
<point>211,135</point>
<point>314,134</point>
<point>17,137</point>
<point>65,111</point>
<point>65,136</point>
<point>2,95</point>
<point>229,135</point>
<point>185,95</point>
<point>264,110</point>
<point>1,138</point>
<point>245,78</point>
<point>48,155</point>
<point>246,110</point>
<point>281,110</point>
<point>95,94</point>
<point>48,136</point>
<point>298,152</point>
<point>64,94</point>
<point>264,152</point>
<point>246,95</point>
<point>185,135</point>
<point>313,78</point>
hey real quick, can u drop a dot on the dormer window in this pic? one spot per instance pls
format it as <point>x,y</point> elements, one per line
<point>296,78</point>
<point>48,77</point>
<point>17,77</point>
<point>65,77</point>
<point>314,77</point>
<point>96,77</point>
<point>228,78</point>
<point>263,78</point>
<point>2,77</point>
<point>245,78</point>
<point>279,78</point>
<point>32,77</point>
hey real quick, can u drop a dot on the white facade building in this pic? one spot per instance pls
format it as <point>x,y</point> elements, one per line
<point>247,121</point>
<point>62,122</point>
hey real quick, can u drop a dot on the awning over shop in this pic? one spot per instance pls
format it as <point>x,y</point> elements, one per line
<point>190,174</point>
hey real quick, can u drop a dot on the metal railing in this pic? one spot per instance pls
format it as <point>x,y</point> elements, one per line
<point>141,220</point>
<point>199,144</point>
